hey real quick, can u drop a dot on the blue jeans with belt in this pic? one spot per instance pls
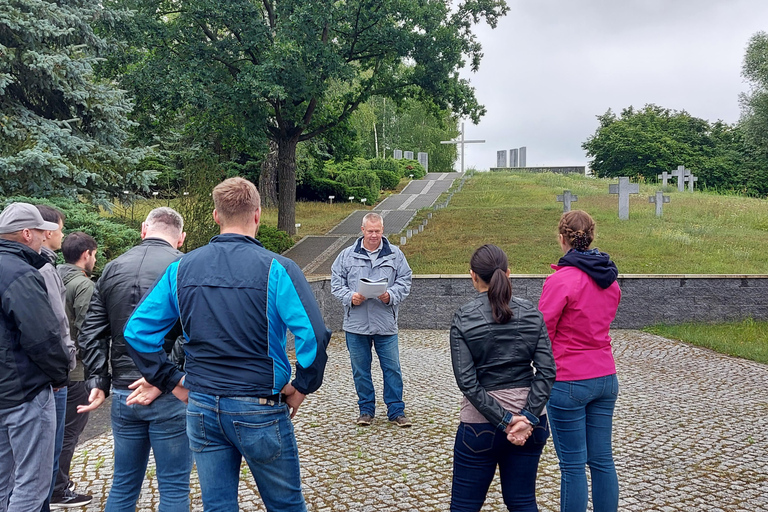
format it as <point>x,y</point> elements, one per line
<point>224,430</point>
<point>160,426</point>
<point>581,414</point>
<point>478,450</point>
<point>386,346</point>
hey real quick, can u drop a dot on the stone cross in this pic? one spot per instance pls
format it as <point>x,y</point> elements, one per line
<point>664,177</point>
<point>680,173</point>
<point>623,189</point>
<point>501,159</point>
<point>461,143</point>
<point>691,179</point>
<point>567,198</point>
<point>513,162</point>
<point>398,154</point>
<point>408,155</point>
<point>658,199</point>
<point>424,160</point>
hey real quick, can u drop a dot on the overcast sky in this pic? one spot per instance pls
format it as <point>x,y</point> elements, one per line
<point>551,66</point>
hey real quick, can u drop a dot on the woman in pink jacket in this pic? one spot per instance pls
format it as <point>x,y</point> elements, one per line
<point>579,302</point>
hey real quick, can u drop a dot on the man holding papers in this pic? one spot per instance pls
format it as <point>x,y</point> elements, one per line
<point>371,278</point>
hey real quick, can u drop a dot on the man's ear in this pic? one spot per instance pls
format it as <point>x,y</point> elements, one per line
<point>181,239</point>
<point>143,230</point>
<point>216,217</point>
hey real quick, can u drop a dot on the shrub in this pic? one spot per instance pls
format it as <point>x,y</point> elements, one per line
<point>318,189</point>
<point>389,180</point>
<point>361,179</point>
<point>412,167</point>
<point>274,239</point>
<point>385,164</point>
<point>114,238</point>
<point>364,192</point>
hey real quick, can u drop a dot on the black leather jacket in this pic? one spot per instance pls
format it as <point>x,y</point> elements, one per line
<point>120,288</point>
<point>488,356</point>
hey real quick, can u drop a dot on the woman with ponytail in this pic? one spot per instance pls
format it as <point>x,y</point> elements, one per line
<point>579,302</point>
<point>496,342</point>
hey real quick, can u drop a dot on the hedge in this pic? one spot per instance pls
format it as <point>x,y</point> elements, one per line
<point>389,180</point>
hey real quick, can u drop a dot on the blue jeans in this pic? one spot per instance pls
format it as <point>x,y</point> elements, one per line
<point>160,426</point>
<point>27,433</point>
<point>478,449</point>
<point>359,346</point>
<point>224,430</point>
<point>581,414</point>
<point>60,401</point>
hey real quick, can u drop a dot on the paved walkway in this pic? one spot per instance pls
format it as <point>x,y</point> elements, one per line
<point>316,254</point>
<point>691,432</point>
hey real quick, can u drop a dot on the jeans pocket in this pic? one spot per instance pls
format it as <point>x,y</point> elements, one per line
<point>259,442</point>
<point>614,385</point>
<point>581,391</point>
<point>476,438</point>
<point>541,431</point>
<point>196,431</point>
<point>43,398</point>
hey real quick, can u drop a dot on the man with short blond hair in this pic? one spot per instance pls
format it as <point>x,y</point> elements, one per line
<point>34,360</point>
<point>371,321</point>
<point>235,300</point>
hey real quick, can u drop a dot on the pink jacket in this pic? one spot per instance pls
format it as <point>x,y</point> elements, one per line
<point>578,314</point>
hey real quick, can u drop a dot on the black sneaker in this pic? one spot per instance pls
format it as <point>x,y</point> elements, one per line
<point>70,499</point>
<point>364,420</point>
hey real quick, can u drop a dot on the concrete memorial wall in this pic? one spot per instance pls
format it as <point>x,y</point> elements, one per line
<point>646,299</point>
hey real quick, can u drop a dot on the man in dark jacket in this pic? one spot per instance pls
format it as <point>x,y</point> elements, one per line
<point>79,251</point>
<point>160,426</point>
<point>235,300</point>
<point>32,360</point>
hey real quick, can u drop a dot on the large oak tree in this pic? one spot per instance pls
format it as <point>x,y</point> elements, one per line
<point>291,70</point>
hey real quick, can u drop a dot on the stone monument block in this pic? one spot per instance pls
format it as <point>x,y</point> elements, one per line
<point>408,155</point>
<point>513,158</point>
<point>398,154</point>
<point>501,159</point>
<point>424,160</point>
<point>523,152</point>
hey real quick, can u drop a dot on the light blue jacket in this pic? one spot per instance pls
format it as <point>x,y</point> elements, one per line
<point>353,264</point>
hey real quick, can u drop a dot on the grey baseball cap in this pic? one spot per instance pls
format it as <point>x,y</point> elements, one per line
<point>18,216</point>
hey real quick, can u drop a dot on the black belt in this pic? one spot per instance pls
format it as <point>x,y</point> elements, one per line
<point>275,399</point>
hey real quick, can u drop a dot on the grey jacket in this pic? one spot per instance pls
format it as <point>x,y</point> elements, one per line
<point>352,264</point>
<point>57,294</point>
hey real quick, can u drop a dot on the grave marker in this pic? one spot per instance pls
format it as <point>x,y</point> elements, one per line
<point>659,199</point>
<point>623,189</point>
<point>408,155</point>
<point>424,160</point>
<point>397,154</point>
<point>567,198</point>
<point>680,173</point>
<point>664,177</point>
<point>691,179</point>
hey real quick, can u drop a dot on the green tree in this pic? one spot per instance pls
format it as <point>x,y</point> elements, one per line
<point>754,105</point>
<point>63,131</point>
<point>293,70</point>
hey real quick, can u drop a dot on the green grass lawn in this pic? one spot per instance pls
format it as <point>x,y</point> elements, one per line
<point>747,339</point>
<point>700,233</point>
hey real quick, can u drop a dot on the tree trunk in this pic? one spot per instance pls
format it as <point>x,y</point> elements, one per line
<point>286,176</point>
<point>268,177</point>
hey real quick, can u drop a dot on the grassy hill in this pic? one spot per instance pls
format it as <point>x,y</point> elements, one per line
<point>700,232</point>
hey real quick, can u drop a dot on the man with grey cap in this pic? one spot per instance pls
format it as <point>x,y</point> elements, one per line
<point>32,360</point>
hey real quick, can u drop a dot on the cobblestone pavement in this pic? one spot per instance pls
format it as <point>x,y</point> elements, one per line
<point>690,434</point>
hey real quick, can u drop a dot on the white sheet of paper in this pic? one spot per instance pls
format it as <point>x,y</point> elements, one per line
<point>370,289</point>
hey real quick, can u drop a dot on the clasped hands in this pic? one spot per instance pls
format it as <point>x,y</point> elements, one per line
<point>519,430</point>
<point>358,298</point>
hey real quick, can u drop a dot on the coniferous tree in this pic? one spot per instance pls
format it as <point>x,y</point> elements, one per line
<point>62,132</point>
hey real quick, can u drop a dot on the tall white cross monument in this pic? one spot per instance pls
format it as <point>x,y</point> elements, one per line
<point>461,143</point>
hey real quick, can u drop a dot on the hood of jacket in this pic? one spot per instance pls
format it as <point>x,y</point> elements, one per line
<point>595,264</point>
<point>48,254</point>
<point>68,272</point>
<point>23,252</point>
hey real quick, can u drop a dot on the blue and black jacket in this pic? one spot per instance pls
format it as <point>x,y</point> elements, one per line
<point>235,300</point>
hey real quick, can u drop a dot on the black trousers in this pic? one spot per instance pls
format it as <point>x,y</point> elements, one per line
<point>74,424</point>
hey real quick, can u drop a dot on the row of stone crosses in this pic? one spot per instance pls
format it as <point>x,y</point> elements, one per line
<point>624,188</point>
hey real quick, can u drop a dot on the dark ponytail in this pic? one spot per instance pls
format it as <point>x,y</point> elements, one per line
<point>490,264</point>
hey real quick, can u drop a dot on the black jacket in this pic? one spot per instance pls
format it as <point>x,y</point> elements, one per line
<point>488,356</point>
<point>31,355</point>
<point>121,287</point>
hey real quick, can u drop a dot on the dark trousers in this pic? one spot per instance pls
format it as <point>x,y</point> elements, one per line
<point>77,394</point>
<point>478,450</point>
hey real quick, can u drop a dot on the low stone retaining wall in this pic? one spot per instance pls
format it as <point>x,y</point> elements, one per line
<point>558,170</point>
<point>646,299</point>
